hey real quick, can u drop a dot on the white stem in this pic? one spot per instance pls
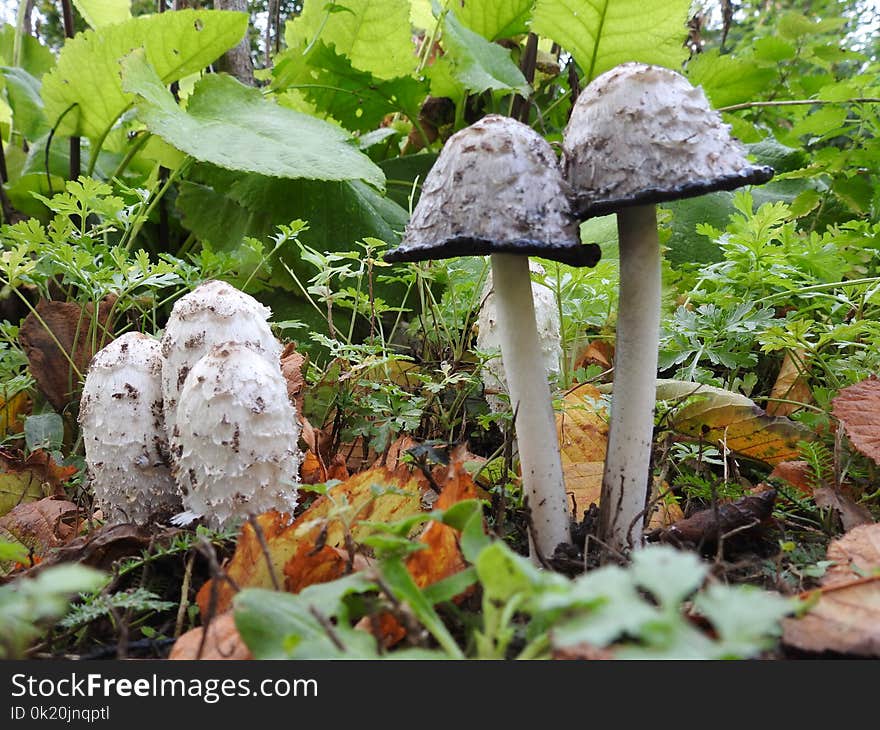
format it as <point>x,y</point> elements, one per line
<point>627,464</point>
<point>531,400</point>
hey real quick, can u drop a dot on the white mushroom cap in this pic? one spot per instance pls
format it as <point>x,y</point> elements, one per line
<point>124,433</point>
<point>642,134</point>
<point>489,339</point>
<point>214,312</point>
<point>238,437</point>
<point>495,188</point>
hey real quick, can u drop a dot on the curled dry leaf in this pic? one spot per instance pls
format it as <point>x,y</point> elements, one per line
<point>29,479</point>
<point>857,407</point>
<point>598,352</point>
<point>705,527</point>
<point>103,547</point>
<point>73,327</point>
<point>291,368</point>
<point>379,494</point>
<point>791,385</point>
<point>223,642</point>
<point>41,525</point>
<point>846,618</point>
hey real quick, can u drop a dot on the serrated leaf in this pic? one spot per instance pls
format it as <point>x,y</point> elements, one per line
<point>98,13</point>
<point>87,74</point>
<point>35,58</point>
<point>23,94</point>
<point>355,98</point>
<point>233,126</point>
<point>601,34</point>
<point>728,80</point>
<point>670,575</point>
<point>746,618</point>
<point>473,64</point>
<point>494,19</point>
<point>373,34</point>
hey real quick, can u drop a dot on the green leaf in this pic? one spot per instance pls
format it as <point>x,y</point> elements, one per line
<point>728,80</point>
<point>36,59</point>
<point>23,94</point>
<point>285,626</point>
<point>98,13</point>
<point>504,574</point>
<point>233,126</point>
<point>670,575</point>
<point>494,19</point>
<point>601,34</point>
<point>87,75</point>
<point>473,64</point>
<point>44,431</point>
<point>373,34</point>
<point>404,177</point>
<point>355,98</point>
<point>746,618</point>
<point>686,246</point>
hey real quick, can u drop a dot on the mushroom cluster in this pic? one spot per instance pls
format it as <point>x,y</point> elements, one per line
<point>200,421</point>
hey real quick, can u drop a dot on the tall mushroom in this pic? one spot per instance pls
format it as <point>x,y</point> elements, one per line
<point>639,135</point>
<point>496,189</point>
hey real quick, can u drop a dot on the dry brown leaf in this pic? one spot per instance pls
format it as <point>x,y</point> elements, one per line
<point>851,513</point>
<point>70,325</point>
<point>311,565</point>
<point>791,385</point>
<point>857,407</point>
<point>10,413</point>
<point>248,567</point>
<point>26,480</point>
<point>846,618</point>
<point>223,642</point>
<point>291,368</point>
<point>598,352</point>
<point>312,470</point>
<point>41,525</point>
<point>797,473</point>
<point>102,548</point>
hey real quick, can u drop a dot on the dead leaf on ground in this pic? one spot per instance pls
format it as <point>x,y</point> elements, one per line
<point>379,494</point>
<point>598,352</point>
<point>11,412</point>
<point>703,528</point>
<point>731,419</point>
<point>582,431</point>
<point>857,407</point>
<point>850,512</point>
<point>103,547</point>
<point>71,326</point>
<point>311,565</point>
<point>41,525</point>
<point>846,618</point>
<point>797,473</point>
<point>29,479</point>
<point>791,385</point>
<point>291,368</point>
<point>223,642</point>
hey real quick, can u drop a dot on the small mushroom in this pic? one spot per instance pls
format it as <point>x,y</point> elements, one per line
<point>214,312</point>
<point>639,135</point>
<point>238,437</point>
<point>124,433</point>
<point>496,189</point>
<point>488,338</point>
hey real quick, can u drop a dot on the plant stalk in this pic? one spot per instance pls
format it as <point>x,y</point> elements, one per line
<point>531,401</point>
<point>625,483</point>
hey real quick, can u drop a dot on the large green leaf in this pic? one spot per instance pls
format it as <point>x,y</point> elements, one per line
<point>473,64</point>
<point>98,13</point>
<point>23,95</point>
<point>374,34</point>
<point>728,80</point>
<point>601,34</point>
<point>233,126</point>
<point>355,98</point>
<point>87,75</point>
<point>494,19</point>
<point>35,58</point>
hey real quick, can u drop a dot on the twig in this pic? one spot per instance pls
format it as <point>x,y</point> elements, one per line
<point>184,595</point>
<point>327,625</point>
<point>264,546</point>
<point>797,102</point>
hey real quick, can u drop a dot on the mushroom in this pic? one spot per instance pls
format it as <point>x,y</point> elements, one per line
<point>488,339</point>
<point>639,135</point>
<point>237,434</point>
<point>496,189</point>
<point>214,312</point>
<point>124,433</point>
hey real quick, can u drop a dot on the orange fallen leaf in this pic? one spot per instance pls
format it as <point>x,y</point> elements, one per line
<point>846,618</point>
<point>598,352</point>
<point>310,566</point>
<point>791,385</point>
<point>223,642</point>
<point>797,473</point>
<point>11,411</point>
<point>857,408</point>
<point>379,494</point>
<point>292,363</point>
<point>28,479</point>
<point>41,525</point>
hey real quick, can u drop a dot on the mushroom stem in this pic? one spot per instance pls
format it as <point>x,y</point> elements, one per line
<point>631,433</point>
<point>530,398</point>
